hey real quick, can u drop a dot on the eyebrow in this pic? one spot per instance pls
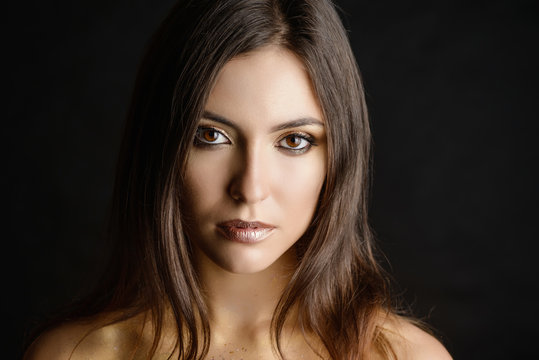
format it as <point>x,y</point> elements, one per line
<point>287,125</point>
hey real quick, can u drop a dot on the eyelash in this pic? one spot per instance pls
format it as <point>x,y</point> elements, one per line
<point>303,136</point>
<point>198,140</point>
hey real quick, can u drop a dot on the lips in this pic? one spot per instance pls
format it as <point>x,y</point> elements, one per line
<point>247,232</point>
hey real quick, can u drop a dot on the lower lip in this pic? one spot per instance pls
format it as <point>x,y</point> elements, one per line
<point>245,235</point>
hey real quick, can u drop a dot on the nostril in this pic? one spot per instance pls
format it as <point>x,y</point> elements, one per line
<point>249,187</point>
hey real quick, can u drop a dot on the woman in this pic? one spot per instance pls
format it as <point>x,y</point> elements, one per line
<point>240,210</point>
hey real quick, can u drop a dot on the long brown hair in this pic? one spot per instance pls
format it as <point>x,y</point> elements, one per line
<point>338,287</point>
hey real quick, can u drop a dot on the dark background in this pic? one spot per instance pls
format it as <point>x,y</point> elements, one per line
<point>452,89</point>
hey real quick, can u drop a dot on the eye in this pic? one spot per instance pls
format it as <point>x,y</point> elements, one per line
<point>210,136</point>
<point>296,143</point>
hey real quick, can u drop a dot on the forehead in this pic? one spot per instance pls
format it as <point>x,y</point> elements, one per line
<point>270,85</point>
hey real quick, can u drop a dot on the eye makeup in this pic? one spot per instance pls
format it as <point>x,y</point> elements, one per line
<point>292,143</point>
<point>296,143</point>
<point>206,136</point>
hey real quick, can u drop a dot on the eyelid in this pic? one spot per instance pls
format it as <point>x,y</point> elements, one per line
<point>297,133</point>
<point>303,135</point>
<point>210,127</point>
<point>310,139</point>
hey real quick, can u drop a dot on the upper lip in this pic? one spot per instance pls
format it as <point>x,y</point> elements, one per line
<point>238,223</point>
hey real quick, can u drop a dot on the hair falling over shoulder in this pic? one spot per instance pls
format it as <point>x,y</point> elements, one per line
<point>338,288</point>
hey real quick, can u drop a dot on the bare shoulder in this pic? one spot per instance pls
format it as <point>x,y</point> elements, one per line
<point>410,342</point>
<point>57,343</point>
<point>94,339</point>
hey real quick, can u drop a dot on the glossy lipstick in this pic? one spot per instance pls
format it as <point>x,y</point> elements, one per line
<point>247,232</point>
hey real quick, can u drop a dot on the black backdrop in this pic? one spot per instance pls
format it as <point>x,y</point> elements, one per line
<point>451,87</point>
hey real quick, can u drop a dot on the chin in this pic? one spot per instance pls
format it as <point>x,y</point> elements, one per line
<point>244,266</point>
<point>244,259</point>
<point>245,270</point>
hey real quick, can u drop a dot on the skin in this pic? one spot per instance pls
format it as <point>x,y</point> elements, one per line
<point>257,167</point>
<point>248,170</point>
<point>245,171</point>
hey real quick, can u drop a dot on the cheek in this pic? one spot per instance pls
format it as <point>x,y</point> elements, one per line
<point>203,184</point>
<point>298,187</point>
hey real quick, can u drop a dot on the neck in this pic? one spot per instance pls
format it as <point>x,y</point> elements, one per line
<point>244,303</point>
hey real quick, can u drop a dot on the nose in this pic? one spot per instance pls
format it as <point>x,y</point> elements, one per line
<point>250,183</point>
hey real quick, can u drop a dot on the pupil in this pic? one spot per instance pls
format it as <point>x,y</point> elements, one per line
<point>293,141</point>
<point>210,135</point>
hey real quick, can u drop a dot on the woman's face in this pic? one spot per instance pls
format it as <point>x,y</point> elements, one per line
<point>257,164</point>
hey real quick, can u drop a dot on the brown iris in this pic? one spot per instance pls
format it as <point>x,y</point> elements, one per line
<point>210,135</point>
<point>293,141</point>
